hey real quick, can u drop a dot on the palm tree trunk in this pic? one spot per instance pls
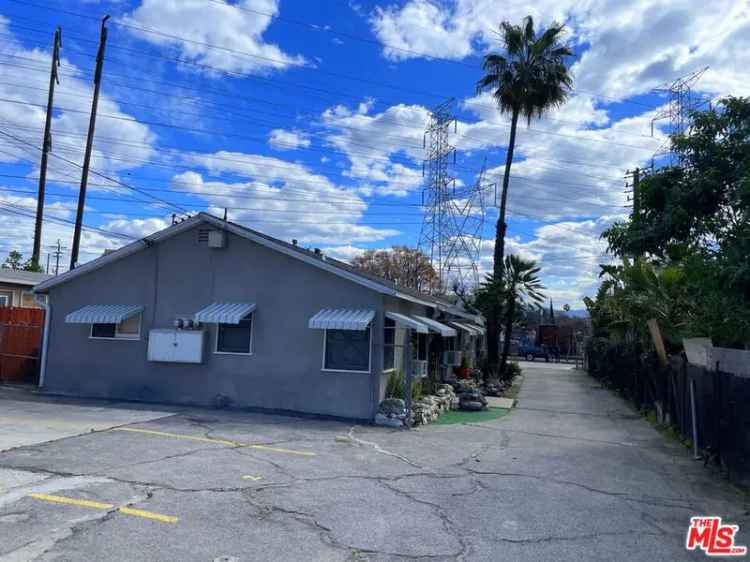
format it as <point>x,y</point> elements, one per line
<point>510,310</point>
<point>501,226</point>
<point>493,322</point>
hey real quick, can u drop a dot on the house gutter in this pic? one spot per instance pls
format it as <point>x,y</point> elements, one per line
<point>43,301</point>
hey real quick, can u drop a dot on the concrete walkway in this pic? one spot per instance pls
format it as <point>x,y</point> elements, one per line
<point>582,476</point>
<point>28,422</point>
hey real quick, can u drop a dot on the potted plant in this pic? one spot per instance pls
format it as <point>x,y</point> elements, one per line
<point>463,370</point>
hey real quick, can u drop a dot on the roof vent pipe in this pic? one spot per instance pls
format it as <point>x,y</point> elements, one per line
<point>317,251</point>
<point>294,241</point>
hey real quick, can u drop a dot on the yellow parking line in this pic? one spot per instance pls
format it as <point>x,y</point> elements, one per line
<point>279,450</point>
<point>226,442</point>
<point>179,436</point>
<point>105,506</point>
<point>72,501</point>
<point>148,515</point>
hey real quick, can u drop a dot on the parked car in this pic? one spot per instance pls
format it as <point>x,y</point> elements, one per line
<point>532,351</point>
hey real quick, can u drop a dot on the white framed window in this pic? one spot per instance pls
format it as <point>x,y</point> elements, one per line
<point>347,350</point>
<point>128,329</point>
<point>235,339</point>
<point>389,345</point>
<point>5,300</point>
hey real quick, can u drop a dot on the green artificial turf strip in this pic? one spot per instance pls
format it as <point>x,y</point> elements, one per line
<point>463,416</point>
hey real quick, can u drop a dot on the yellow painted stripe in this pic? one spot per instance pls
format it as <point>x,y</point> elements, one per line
<point>148,515</point>
<point>251,477</point>
<point>72,501</point>
<point>105,506</point>
<point>279,450</point>
<point>226,442</point>
<point>179,436</point>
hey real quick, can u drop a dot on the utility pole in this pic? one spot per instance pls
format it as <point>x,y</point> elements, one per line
<point>58,254</point>
<point>635,176</point>
<point>46,146</point>
<point>89,143</point>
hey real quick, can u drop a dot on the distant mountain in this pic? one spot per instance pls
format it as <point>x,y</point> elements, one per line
<point>577,313</point>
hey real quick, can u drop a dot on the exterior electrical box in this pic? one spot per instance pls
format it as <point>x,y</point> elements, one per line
<point>217,239</point>
<point>176,346</point>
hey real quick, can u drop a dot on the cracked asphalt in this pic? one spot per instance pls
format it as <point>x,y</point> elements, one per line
<point>573,473</point>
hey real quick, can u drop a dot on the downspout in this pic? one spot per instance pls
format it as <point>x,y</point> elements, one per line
<point>43,301</point>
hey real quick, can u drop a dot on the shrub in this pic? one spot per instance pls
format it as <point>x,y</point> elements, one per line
<point>396,384</point>
<point>512,370</point>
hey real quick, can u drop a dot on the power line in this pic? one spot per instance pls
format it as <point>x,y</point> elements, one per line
<point>381,119</point>
<point>104,176</point>
<point>236,52</point>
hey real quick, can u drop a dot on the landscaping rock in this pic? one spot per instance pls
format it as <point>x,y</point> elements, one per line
<point>391,406</point>
<point>391,413</point>
<point>472,399</point>
<point>472,405</point>
<point>380,419</point>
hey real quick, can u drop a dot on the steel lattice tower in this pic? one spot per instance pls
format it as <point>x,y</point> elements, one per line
<point>681,101</point>
<point>453,220</point>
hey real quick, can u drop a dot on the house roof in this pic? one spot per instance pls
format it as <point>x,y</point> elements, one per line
<point>20,277</point>
<point>321,261</point>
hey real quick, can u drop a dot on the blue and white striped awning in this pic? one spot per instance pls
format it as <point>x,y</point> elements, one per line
<point>481,330</point>
<point>342,319</point>
<point>407,322</point>
<point>435,326</point>
<point>471,329</point>
<point>224,312</point>
<point>103,314</point>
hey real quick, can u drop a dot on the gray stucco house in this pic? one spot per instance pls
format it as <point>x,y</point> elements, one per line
<point>212,313</point>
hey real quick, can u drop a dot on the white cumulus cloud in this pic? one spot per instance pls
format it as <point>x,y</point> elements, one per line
<point>222,35</point>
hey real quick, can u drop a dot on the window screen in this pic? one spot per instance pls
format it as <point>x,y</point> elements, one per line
<point>389,342</point>
<point>130,327</point>
<point>103,330</point>
<point>347,350</point>
<point>421,347</point>
<point>233,338</point>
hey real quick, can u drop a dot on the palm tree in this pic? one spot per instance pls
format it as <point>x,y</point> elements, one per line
<point>529,80</point>
<point>520,285</point>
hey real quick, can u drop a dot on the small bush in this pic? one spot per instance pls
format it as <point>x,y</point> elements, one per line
<point>396,384</point>
<point>512,370</point>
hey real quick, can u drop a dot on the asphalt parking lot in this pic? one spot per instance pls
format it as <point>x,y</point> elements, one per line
<point>571,474</point>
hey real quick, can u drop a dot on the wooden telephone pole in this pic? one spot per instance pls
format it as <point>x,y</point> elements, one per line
<point>89,143</point>
<point>46,146</point>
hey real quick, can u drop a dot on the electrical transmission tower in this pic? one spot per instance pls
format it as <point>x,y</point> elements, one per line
<point>681,101</point>
<point>453,220</point>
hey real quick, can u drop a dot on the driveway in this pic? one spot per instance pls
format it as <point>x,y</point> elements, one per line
<point>571,474</point>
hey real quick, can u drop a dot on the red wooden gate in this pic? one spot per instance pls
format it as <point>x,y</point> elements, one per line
<point>20,344</point>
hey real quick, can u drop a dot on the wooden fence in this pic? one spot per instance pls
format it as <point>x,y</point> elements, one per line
<point>20,344</point>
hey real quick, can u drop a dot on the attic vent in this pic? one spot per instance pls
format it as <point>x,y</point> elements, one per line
<point>203,236</point>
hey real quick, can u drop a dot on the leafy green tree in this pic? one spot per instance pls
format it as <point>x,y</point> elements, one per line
<point>530,79</point>
<point>696,216</point>
<point>14,260</point>
<point>635,292</point>
<point>519,287</point>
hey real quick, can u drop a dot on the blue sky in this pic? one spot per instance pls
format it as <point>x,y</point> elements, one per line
<point>306,119</point>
